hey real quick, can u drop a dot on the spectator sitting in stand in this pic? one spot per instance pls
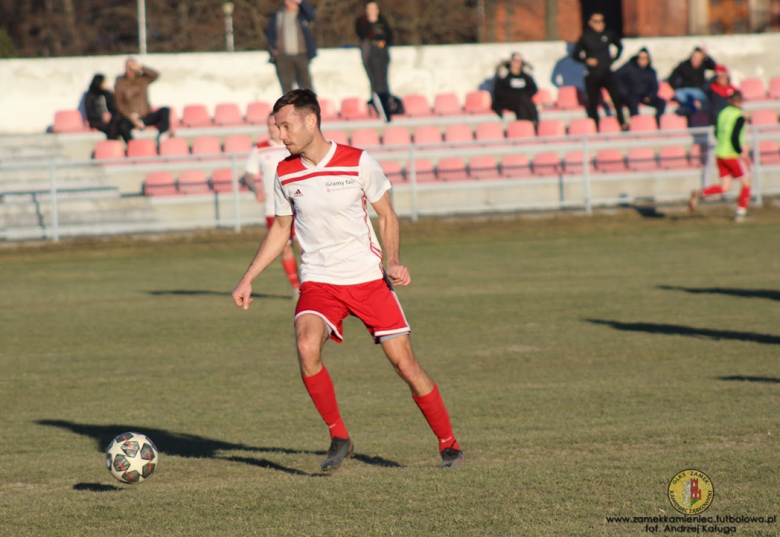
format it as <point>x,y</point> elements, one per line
<point>638,84</point>
<point>100,107</point>
<point>132,100</point>
<point>688,79</point>
<point>514,90</point>
<point>719,91</point>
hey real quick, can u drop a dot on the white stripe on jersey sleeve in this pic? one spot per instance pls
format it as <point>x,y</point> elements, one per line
<point>375,182</point>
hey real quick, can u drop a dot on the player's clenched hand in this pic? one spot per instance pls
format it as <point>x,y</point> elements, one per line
<point>399,275</point>
<point>242,294</point>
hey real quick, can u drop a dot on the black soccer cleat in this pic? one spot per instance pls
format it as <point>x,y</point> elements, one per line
<point>452,458</point>
<point>340,449</point>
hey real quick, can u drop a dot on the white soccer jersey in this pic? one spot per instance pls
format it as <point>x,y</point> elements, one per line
<point>263,160</point>
<point>329,202</point>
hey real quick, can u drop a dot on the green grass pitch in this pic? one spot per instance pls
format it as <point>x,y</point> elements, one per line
<point>584,361</point>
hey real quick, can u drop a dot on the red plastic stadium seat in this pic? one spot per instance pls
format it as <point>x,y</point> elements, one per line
<point>543,98</point>
<point>520,129</point>
<point>582,126</point>
<point>365,138</point>
<point>174,147</point>
<point>774,88</point>
<point>459,133</point>
<point>195,115</point>
<point>354,108</point>
<point>673,157</point>
<point>340,137</point>
<point>193,182</point>
<point>109,150</point>
<point>753,89</point>
<point>257,113</point>
<point>483,168</point>
<point>643,124</point>
<point>206,145</point>
<point>490,132</point>
<point>396,136</point>
<point>447,104</point>
<point>641,159</point>
<point>573,163</point>
<point>238,143</point>
<point>328,110</point>
<point>568,98</point>
<point>228,115</point>
<point>141,148</point>
<point>423,170</point>
<point>763,117</point>
<point>68,121</point>
<point>769,152</point>
<point>160,184</point>
<point>452,169</point>
<point>610,161</point>
<point>665,91</point>
<point>673,122</point>
<point>551,127</point>
<point>478,102</point>
<point>609,125</point>
<point>546,164</point>
<point>427,134</point>
<point>393,171</point>
<point>515,166</point>
<point>222,181</point>
<point>416,105</point>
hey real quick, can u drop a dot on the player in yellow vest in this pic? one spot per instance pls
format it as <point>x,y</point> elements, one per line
<point>731,155</point>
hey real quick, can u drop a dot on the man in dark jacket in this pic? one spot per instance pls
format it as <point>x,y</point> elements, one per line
<point>638,84</point>
<point>593,50</point>
<point>292,44</point>
<point>514,90</point>
<point>688,79</point>
<point>719,91</point>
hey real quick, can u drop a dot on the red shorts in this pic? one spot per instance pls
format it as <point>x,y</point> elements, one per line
<point>735,167</point>
<point>269,220</point>
<point>375,303</point>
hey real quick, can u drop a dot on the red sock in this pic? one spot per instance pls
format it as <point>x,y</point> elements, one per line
<point>744,197</point>
<point>712,190</point>
<point>320,388</point>
<point>436,414</point>
<point>291,269</point>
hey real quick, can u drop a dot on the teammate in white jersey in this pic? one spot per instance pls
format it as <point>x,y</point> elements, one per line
<point>327,187</point>
<point>262,163</point>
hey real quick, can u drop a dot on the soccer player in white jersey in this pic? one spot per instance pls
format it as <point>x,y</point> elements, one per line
<point>327,187</point>
<point>262,162</point>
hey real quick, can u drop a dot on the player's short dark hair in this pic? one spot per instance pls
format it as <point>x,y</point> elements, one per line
<point>301,99</point>
<point>736,97</point>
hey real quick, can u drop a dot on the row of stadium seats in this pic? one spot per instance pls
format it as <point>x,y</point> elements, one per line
<point>189,182</point>
<point>415,105</point>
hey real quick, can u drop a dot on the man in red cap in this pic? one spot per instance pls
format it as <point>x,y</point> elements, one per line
<point>719,91</point>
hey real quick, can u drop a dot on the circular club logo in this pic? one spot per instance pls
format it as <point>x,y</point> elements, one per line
<point>691,492</point>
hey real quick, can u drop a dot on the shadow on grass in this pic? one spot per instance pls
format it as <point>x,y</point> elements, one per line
<point>680,330</point>
<point>741,378</point>
<point>197,292</point>
<point>648,211</point>
<point>187,445</point>
<point>95,487</point>
<point>768,294</point>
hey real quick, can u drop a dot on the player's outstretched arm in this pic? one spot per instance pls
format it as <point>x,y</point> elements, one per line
<point>270,249</point>
<point>391,240</point>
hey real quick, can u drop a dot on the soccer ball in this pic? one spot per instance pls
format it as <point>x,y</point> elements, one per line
<point>131,457</point>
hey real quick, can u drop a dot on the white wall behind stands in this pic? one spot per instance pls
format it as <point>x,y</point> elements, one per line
<point>33,89</point>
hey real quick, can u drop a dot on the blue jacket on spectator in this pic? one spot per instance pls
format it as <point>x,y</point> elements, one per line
<point>637,81</point>
<point>306,14</point>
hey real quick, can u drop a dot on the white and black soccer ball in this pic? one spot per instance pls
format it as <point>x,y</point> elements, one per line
<point>131,457</point>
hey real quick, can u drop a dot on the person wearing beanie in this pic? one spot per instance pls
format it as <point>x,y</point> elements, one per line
<point>638,84</point>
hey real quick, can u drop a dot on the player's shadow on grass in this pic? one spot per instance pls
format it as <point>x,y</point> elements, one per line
<point>96,487</point>
<point>197,292</point>
<point>768,294</point>
<point>188,445</point>
<point>680,330</point>
<point>741,378</point>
